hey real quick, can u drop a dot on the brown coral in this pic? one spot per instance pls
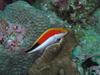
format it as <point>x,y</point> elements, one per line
<point>56,59</point>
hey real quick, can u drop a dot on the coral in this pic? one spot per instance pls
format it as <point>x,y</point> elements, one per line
<point>11,35</point>
<point>89,47</point>
<point>12,58</point>
<point>34,20</point>
<point>56,59</point>
<point>94,70</point>
<point>20,16</point>
<point>21,24</point>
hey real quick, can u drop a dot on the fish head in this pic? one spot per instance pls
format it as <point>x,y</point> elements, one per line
<point>58,37</point>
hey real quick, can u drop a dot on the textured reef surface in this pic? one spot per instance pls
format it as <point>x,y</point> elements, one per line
<point>23,21</point>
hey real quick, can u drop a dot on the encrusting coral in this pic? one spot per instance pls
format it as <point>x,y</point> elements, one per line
<point>56,59</point>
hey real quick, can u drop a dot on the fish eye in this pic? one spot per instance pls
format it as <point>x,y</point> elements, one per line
<point>58,39</point>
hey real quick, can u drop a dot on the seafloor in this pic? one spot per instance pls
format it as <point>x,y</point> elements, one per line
<point>23,21</point>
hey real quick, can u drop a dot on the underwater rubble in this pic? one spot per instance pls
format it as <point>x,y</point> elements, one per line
<point>23,21</point>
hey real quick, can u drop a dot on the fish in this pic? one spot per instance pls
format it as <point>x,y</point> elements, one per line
<point>49,37</point>
<point>55,38</point>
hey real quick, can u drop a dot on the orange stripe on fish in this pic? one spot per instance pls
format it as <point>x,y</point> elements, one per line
<point>49,33</point>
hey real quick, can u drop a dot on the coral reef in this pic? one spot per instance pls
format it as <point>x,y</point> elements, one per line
<point>34,20</point>
<point>12,58</point>
<point>20,18</point>
<point>23,21</point>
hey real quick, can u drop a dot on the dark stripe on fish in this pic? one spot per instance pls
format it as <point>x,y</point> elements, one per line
<point>36,45</point>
